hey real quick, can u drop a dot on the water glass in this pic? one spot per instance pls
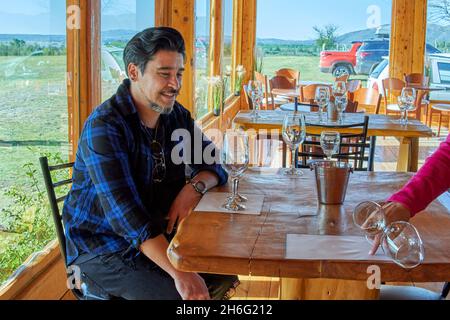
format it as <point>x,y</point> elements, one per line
<point>341,104</point>
<point>339,88</point>
<point>256,94</point>
<point>322,98</point>
<point>400,240</point>
<point>330,142</point>
<point>406,102</point>
<point>294,134</point>
<point>235,160</point>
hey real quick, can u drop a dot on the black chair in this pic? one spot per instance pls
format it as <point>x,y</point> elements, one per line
<point>88,290</point>
<point>389,292</point>
<point>354,147</point>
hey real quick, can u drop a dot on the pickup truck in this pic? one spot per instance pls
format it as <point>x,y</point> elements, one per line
<point>339,62</point>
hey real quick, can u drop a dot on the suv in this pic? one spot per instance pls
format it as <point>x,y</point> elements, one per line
<point>339,62</point>
<point>371,53</point>
<point>439,66</point>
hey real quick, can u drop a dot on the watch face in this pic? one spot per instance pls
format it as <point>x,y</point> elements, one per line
<point>200,186</point>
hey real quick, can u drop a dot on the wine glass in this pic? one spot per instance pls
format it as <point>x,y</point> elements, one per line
<point>256,94</point>
<point>406,102</point>
<point>235,160</point>
<point>400,240</point>
<point>322,99</point>
<point>330,142</point>
<point>294,133</point>
<point>339,88</point>
<point>341,104</point>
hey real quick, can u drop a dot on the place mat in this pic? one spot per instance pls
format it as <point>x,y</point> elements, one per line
<point>213,201</point>
<point>325,247</point>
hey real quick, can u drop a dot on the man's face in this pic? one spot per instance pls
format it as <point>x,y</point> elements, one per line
<point>160,84</point>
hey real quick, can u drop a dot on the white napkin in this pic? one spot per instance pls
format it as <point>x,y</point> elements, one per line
<point>213,201</point>
<point>325,247</point>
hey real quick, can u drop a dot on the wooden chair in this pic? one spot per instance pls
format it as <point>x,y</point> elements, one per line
<point>269,101</point>
<point>289,73</point>
<point>416,79</point>
<point>368,99</point>
<point>353,148</point>
<point>247,98</point>
<point>440,109</point>
<point>392,89</point>
<point>309,92</point>
<point>344,78</point>
<point>352,86</point>
<point>89,290</point>
<point>280,82</point>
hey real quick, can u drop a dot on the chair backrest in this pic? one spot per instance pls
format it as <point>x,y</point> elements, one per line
<point>309,92</point>
<point>369,99</point>
<point>392,88</point>
<point>289,73</point>
<point>50,185</point>
<point>344,77</point>
<point>416,78</point>
<point>353,148</point>
<point>353,85</point>
<point>352,106</point>
<point>280,82</point>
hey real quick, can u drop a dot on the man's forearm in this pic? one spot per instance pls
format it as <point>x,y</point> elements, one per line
<point>209,178</point>
<point>156,250</point>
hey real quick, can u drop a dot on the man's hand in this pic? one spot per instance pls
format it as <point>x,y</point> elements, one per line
<point>182,206</point>
<point>191,286</point>
<point>394,211</point>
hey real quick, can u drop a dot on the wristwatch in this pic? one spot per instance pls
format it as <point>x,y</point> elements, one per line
<point>199,186</point>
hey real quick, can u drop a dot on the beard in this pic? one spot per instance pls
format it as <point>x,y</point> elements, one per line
<point>159,109</point>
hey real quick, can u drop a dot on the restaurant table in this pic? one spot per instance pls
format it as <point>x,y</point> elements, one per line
<point>379,125</point>
<point>240,244</point>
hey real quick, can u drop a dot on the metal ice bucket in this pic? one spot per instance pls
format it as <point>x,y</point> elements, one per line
<point>331,180</point>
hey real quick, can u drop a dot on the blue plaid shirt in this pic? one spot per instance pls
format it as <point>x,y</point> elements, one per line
<point>114,204</point>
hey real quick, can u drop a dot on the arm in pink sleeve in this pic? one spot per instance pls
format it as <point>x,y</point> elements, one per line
<point>428,183</point>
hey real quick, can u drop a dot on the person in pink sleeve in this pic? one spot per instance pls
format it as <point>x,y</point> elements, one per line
<point>427,184</point>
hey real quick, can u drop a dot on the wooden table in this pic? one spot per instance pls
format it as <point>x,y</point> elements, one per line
<point>255,245</point>
<point>379,125</point>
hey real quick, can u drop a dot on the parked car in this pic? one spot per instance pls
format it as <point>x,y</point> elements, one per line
<point>371,53</point>
<point>24,67</point>
<point>339,62</point>
<point>113,69</point>
<point>439,66</point>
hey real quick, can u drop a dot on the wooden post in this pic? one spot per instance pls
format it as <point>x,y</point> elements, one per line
<point>407,44</point>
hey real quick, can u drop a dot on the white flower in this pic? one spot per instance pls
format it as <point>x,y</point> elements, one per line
<point>228,71</point>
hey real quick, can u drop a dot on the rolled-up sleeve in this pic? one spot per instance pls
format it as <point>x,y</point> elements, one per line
<point>107,161</point>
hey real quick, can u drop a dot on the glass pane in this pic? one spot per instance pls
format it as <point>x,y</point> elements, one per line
<point>121,20</point>
<point>227,43</point>
<point>33,122</point>
<point>202,41</point>
<point>323,43</point>
<point>437,58</point>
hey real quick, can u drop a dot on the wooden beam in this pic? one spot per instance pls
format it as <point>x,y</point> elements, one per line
<point>163,13</point>
<point>83,66</point>
<point>182,18</point>
<point>408,33</point>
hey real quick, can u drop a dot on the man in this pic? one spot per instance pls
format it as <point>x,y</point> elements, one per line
<point>128,195</point>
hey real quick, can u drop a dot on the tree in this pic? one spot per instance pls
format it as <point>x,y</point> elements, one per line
<point>439,11</point>
<point>327,36</point>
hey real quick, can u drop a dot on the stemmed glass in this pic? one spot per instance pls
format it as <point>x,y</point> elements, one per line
<point>294,133</point>
<point>235,160</point>
<point>339,88</point>
<point>322,98</point>
<point>400,239</point>
<point>330,142</point>
<point>256,94</point>
<point>341,104</point>
<point>406,102</point>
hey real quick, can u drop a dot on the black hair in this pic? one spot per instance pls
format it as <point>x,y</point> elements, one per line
<point>144,45</point>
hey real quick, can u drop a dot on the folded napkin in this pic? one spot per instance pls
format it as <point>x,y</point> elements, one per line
<point>325,247</point>
<point>213,202</point>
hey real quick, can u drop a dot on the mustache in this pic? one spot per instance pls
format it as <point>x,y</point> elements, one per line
<point>171,91</point>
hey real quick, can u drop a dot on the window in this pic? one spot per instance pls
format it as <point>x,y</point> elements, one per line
<point>293,34</point>
<point>33,121</point>
<point>444,72</point>
<point>227,46</point>
<point>121,20</point>
<point>202,68</point>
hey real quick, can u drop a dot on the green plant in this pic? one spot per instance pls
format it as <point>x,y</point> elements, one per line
<point>327,36</point>
<point>28,218</point>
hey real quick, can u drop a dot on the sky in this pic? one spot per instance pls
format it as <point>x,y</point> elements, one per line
<point>282,19</point>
